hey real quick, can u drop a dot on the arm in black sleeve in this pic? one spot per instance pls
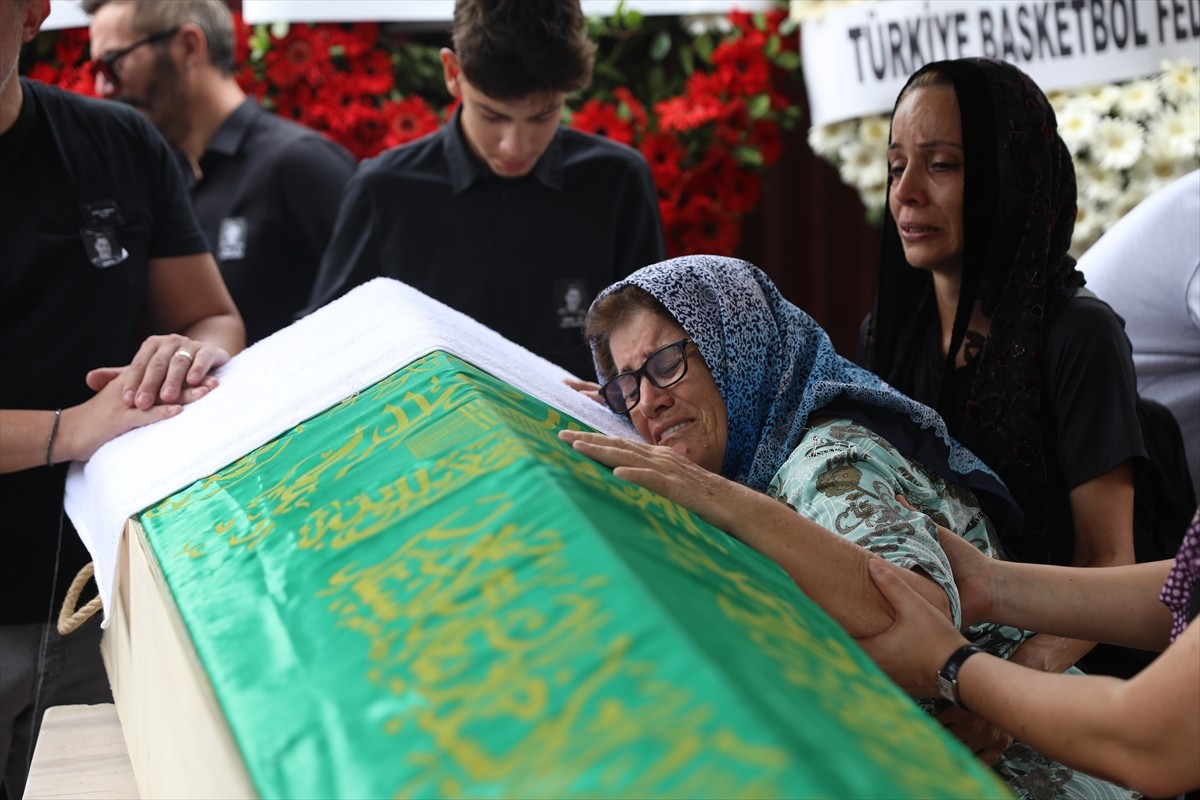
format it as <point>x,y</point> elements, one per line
<point>314,171</point>
<point>355,253</point>
<point>639,235</point>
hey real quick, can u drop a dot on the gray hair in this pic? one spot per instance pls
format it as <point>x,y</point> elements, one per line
<point>213,17</point>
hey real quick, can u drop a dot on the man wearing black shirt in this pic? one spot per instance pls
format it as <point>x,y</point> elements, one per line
<point>266,190</point>
<point>100,245</point>
<point>504,213</point>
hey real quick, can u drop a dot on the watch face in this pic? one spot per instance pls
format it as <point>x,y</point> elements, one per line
<point>946,688</point>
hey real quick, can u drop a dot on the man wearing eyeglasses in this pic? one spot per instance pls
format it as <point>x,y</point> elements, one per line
<point>266,190</point>
<point>98,246</point>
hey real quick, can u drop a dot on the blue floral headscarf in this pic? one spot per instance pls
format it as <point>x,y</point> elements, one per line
<point>775,366</point>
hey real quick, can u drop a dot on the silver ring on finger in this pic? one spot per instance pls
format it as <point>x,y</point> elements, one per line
<point>185,353</point>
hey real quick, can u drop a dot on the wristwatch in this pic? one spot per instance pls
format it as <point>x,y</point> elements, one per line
<point>947,677</point>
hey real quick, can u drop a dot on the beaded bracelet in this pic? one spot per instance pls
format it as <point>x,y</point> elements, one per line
<point>53,433</point>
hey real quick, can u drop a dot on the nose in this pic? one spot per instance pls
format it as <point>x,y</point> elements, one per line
<point>103,86</point>
<point>907,189</point>
<point>514,143</point>
<point>652,399</point>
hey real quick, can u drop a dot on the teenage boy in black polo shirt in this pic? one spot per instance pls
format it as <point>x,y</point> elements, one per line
<point>99,243</point>
<point>504,213</point>
<point>266,190</point>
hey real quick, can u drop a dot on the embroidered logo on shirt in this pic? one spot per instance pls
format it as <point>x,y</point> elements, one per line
<point>103,248</point>
<point>231,239</point>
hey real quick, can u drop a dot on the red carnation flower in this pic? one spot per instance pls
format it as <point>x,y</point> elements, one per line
<point>71,46</point>
<point>596,116</point>
<point>44,72</point>
<point>356,41</point>
<point>368,131</point>
<point>248,79</point>
<point>241,40</point>
<point>742,66</point>
<point>408,119</point>
<point>767,139</point>
<point>686,113</point>
<point>373,72</point>
<point>300,57</point>
<point>295,103</point>
<point>637,111</point>
<point>701,226</point>
<point>80,79</point>
<point>665,155</point>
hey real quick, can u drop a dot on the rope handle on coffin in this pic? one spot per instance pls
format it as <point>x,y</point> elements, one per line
<point>70,616</point>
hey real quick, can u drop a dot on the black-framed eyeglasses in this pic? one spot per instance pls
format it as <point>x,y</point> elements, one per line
<point>664,367</point>
<point>106,64</point>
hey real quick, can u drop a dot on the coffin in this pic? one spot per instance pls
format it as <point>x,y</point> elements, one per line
<point>421,592</point>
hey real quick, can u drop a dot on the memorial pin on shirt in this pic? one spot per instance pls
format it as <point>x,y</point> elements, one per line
<point>99,233</point>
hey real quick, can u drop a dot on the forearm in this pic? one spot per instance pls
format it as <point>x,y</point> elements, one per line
<point>23,438</point>
<point>1049,653</point>
<point>223,330</point>
<point>1144,732</point>
<point>1117,605</point>
<point>831,570</point>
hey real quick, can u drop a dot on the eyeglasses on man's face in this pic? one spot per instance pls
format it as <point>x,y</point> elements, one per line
<point>106,64</point>
<point>664,367</point>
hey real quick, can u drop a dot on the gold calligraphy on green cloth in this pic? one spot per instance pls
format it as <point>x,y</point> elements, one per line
<point>422,592</point>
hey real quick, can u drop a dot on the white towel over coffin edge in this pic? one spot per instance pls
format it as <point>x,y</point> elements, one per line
<point>285,379</point>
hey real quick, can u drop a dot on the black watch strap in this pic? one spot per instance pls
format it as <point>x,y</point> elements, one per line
<point>947,677</point>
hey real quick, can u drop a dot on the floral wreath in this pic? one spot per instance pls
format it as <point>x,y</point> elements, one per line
<point>705,99</point>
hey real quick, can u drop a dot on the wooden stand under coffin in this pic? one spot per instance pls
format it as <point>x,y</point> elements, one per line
<point>422,592</point>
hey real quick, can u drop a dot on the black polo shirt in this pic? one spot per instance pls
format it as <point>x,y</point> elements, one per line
<point>73,171</point>
<point>524,256</point>
<point>267,201</point>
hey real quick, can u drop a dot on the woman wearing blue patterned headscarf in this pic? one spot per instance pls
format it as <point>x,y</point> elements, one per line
<point>753,422</point>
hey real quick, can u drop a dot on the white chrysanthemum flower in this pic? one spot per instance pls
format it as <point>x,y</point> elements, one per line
<point>826,140</point>
<point>1116,143</point>
<point>1101,99</point>
<point>1143,182</point>
<point>1180,81</point>
<point>1139,99</point>
<point>1126,202</point>
<point>1159,163</point>
<point>1176,134</point>
<point>875,130</point>
<point>1088,224</point>
<point>874,197</point>
<point>802,11</point>
<point>1097,186</point>
<point>706,24</point>
<point>1058,100</point>
<point>1076,122</point>
<point>863,163</point>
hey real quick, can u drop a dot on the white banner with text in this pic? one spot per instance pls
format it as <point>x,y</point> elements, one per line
<point>858,57</point>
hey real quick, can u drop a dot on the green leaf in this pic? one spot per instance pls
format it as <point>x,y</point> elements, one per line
<point>660,46</point>
<point>789,61</point>
<point>773,46</point>
<point>759,106</point>
<point>687,60</point>
<point>703,45</point>
<point>748,156</point>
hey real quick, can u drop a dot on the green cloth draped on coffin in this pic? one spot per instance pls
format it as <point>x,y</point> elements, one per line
<point>422,592</point>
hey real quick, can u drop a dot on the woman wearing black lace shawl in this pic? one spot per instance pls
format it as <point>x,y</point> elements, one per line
<point>981,314</point>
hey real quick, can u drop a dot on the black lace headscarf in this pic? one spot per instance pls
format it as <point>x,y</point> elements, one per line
<point>1018,216</point>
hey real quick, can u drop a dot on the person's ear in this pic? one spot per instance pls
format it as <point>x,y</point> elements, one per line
<point>451,72</point>
<point>194,45</point>
<point>35,14</point>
